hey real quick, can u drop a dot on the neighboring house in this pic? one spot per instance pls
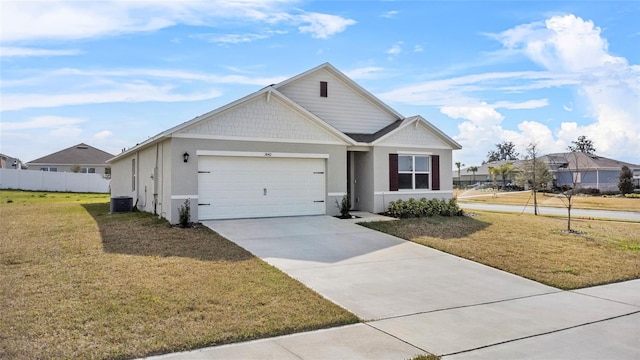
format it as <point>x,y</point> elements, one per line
<point>588,171</point>
<point>8,162</point>
<point>80,158</point>
<point>292,148</point>
<point>593,171</point>
<point>482,175</point>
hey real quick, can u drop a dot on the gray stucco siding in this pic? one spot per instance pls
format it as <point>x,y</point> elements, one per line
<point>381,193</point>
<point>184,176</point>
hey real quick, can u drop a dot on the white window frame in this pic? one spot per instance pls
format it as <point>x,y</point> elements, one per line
<point>413,171</point>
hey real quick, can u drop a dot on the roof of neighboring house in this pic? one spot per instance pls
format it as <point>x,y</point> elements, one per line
<point>272,90</point>
<point>8,161</point>
<point>81,154</point>
<point>585,161</point>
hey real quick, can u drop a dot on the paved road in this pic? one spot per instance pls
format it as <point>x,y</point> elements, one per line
<point>415,299</point>
<point>620,215</point>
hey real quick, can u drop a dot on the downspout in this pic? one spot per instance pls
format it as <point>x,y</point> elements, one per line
<point>155,184</point>
<point>597,179</point>
<point>137,178</point>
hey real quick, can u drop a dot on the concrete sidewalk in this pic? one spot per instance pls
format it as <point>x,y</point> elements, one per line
<point>416,300</point>
<point>543,210</point>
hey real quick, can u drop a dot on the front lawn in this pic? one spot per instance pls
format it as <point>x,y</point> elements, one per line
<point>77,282</point>
<point>535,247</point>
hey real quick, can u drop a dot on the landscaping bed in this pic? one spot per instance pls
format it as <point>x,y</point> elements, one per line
<point>78,282</point>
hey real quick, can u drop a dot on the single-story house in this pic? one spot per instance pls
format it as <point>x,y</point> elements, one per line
<point>80,158</point>
<point>293,148</point>
<point>593,171</point>
<point>588,170</point>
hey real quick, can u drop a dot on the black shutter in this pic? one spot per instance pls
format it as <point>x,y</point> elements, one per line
<point>393,172</point>
<point>435,172</point>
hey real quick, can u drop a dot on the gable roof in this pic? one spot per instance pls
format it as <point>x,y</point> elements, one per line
<point>272,90</point>
<point>345,79</point>
<point>81,154</point>
<point>415,120</point>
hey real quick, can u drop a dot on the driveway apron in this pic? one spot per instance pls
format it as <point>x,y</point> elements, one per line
<point>437,302</point>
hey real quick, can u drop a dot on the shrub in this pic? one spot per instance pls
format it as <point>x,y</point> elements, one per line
<point>184,213</point>
<point>413,208</point>
<point>344,205</point>
<point>632,196</point>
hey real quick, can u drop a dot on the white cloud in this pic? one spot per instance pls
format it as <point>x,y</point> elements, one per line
<point>7,51</point>
<point>224,39</point>
<point>418,49</point>
<point>529,104</point>
<point>125,93</point>
<point>41,122</point>
<point>64,20</point>
<point>103,135</point>
<point>574,54</point>
<point>390,14</point>
<point>395,49</point>
<point>322,26</point>
<point>368,72</point>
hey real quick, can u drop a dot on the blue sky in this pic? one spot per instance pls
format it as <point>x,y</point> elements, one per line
<point>113,73</point>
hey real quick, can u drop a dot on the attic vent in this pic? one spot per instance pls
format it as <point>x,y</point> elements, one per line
<point>323,89</point>
<point>82,147</point>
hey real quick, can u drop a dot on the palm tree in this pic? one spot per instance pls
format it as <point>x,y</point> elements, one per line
<point>459,165</point>
<point>474,170</point>
<point>504,170</point>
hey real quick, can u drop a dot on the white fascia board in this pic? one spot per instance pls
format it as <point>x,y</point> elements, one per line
<point>261,154</point>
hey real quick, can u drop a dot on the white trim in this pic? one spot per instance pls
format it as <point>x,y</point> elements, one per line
<point>183,197</point>
<point>413,153</point>
<point>414,146</point>
<point>413,192</point>
<point>265,154</point>
<point>336,194</point>
<point>243,138</point>
<point>359,148</point>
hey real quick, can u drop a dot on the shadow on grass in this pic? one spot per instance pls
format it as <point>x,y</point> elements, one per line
<point>143,234</point>
<point>439,227</point>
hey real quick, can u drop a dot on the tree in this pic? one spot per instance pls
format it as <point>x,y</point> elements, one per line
<point>459,165</point>
<point>474,170</point>
<point>582,145</point>
<point>505,151</point>
<point>625,180</point>
<point>504,170</point>
<point>534,173</point>
<point>573,167</point>
<point>76,168</point>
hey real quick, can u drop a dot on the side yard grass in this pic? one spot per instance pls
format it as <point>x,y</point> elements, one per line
<point>535,247</point>
<point>549,200</point>
<point>78,282</point>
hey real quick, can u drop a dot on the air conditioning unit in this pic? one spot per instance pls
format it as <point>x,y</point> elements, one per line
<point>121,204</point>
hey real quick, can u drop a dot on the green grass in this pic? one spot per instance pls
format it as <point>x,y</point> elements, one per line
<point>39,197</point>
<point>535,247</point>
<point>78,282</point>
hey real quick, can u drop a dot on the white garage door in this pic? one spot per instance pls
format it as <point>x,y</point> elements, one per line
<point>245,187</point>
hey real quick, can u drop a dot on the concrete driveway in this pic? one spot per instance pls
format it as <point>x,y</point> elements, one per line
<point>435,302</point>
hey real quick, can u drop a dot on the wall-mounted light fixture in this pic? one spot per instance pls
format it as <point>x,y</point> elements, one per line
<point>185,156</point>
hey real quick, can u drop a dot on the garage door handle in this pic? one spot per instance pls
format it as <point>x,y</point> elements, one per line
<point>264,191</point>
<point>318,172</point>
<point>316,201</point>
<point>203,204</point>
<point>204,172</point>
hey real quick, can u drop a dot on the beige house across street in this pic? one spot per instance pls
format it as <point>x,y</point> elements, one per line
<point>293,148</point>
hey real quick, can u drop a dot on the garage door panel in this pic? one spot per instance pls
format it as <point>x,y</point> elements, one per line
<point>234,187</point>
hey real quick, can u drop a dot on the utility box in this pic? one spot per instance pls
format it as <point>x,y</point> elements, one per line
<point>121,204</point>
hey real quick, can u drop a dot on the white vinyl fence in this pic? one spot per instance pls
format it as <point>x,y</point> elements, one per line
<point>53,181</point>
